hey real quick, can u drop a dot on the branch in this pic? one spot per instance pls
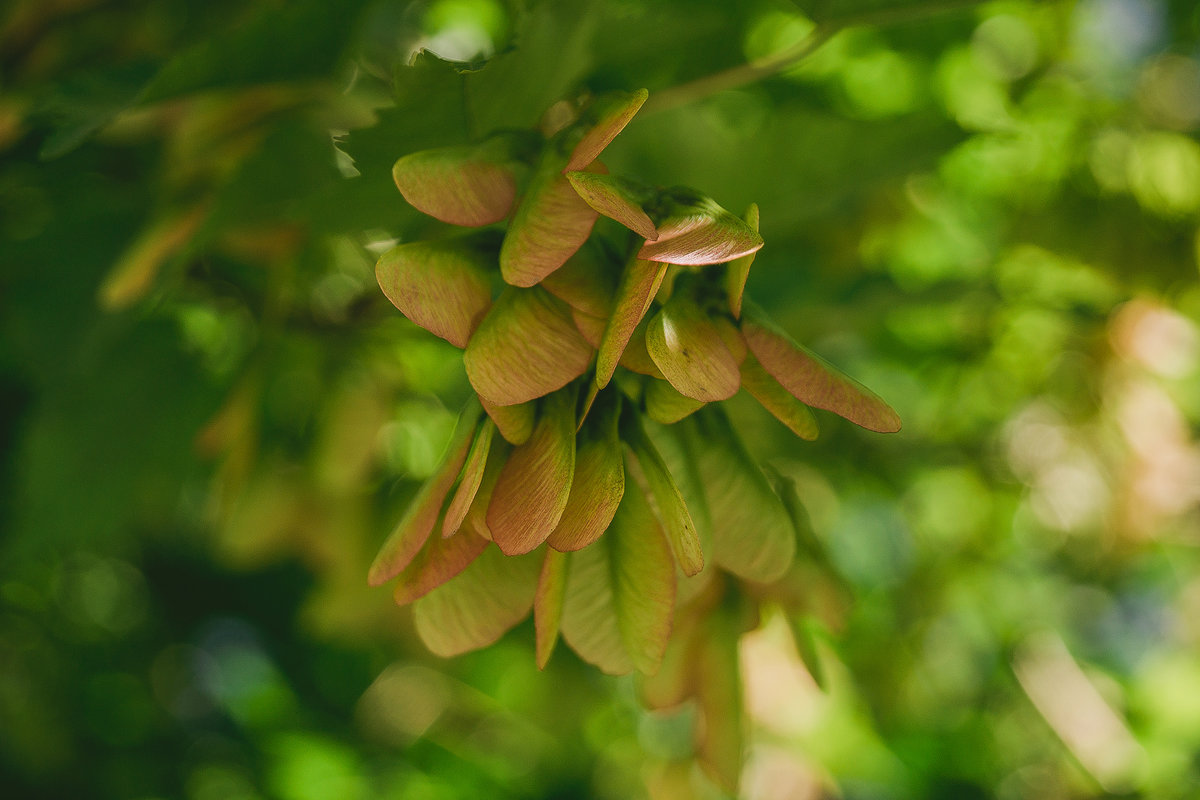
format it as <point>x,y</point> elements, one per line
<point>760,68</point>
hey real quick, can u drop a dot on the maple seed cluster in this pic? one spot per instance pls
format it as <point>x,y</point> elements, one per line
<point>603,520</point>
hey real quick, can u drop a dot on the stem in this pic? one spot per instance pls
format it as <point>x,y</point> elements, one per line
<point>740,75</point>
<point>760,68</point>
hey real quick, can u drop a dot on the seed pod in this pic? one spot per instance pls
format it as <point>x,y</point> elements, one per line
<point>739,269</point>
<point>480,605</point>
<point>617,199</point>
<point>605,117</point>
<point>620,593</point>
<point>550,224</point>
<point>811,379</point>
<point>639,282</point>
<point>667,406</point>
<point>691,352</point>
<point>418,521</point>
<point>526,347</point>
<point>695,231</point>
<point>534,485</point>
<point>778,400</point>
<point>470,185</point>
<point>599,481</point>
<point>441,286</point>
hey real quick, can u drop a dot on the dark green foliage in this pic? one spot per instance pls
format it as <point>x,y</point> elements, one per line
<point>210,417</point>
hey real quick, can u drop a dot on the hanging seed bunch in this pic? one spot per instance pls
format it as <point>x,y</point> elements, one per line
<point>591,480</point>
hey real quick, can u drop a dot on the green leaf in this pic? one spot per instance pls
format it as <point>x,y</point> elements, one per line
<point>739,269</point>
<point>667,406</point>
<point>615,198</point>
<point>811,379</point>
<point>303,40</point>
<point>778,400</point>
<point>620,593</point>
<point>752,533</point>
<point>437,562</point>
<point>639,282</point>
<point>526,347</point>
<point>665,499</point>
<point>469,480</point>
<point>691,352</point>
<point>586,283</point>
<point>515,422</point>
<point>598,484</point>
<point>429,112</point>
<point>465,185</point>
<point>550,224</point>
<point>696,231</point>
<point>609,114</point>
<point>534,485</point>
<point>441,286</point>
<point>82,103</point>
<point>553,57</point>
<point>480,605</point>
<point>422,513</point>
<point>135,271</point>
<point>548,604</point>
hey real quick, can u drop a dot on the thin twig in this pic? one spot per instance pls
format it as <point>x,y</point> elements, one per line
<point>737,76</point>
<point>758,69</point>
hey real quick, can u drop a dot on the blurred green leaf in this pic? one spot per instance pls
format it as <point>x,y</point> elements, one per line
<point>83,104</point>
<point>305,40</point>
<point>718,691</point>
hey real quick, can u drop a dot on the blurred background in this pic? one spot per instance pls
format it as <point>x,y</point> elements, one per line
<point>210,416</point>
